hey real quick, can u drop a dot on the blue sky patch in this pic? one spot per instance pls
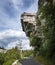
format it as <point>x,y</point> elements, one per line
<point>10,12</point>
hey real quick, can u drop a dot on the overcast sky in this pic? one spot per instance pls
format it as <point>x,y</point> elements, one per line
<point>10,25</point>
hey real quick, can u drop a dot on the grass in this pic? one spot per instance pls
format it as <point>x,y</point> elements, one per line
<point>43,60</point>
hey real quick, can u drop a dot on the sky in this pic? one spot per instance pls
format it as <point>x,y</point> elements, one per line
<point>10,25</point>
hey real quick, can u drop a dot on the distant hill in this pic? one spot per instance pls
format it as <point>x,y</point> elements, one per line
<point>2,48</point>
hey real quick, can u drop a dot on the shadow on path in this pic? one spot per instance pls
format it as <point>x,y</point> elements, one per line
<point>29,61</point>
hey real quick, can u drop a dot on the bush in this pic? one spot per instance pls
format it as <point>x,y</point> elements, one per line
<point>27,53</point>
<point>9,62</point>
<point>2,58</point>
<point>12,54</point>
<point>9,57</point>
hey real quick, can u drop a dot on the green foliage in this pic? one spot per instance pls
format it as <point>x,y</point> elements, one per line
<point>9,62</point>
<point>2,58</point>
<point>45,61</point>
<point>27,53</point>
<point>35,42</point>
<point>9,57</point>
<point>48,13</point>
<point>12,54</point>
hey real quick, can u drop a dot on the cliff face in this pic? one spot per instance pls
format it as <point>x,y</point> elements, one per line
<point>31,21</point>
<point>41,4</point>
<point>28,22</point>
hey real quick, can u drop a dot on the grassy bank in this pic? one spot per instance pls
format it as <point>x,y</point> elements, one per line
<point>44,60</point>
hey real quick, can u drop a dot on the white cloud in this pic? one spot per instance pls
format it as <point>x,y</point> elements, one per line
<point>12,44</point>
<point>25,44</point>
<point>10,38</point>
<point>12,33</point>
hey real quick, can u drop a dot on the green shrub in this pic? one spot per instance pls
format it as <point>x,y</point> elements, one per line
<point>9,62</point>
<point>27,53</point>
<point>2,58</point>
<point>12,54</point>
